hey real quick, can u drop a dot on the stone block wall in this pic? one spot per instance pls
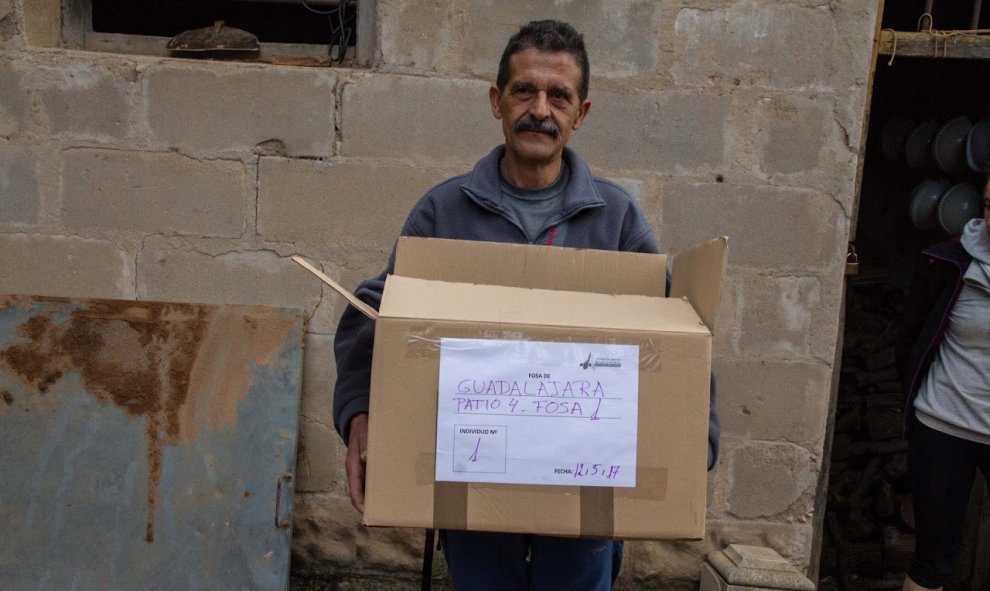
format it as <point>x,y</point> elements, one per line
<point>140,177</point>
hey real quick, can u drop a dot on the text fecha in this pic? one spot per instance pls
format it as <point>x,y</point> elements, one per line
<point>578,388</point>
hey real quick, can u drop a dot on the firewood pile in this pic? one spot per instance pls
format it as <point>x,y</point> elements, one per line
<point>869,529</point>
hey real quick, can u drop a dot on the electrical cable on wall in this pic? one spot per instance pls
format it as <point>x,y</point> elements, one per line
<point>339,35</point>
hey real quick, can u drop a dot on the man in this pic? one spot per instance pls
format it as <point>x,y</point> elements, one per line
<point>534,190</point>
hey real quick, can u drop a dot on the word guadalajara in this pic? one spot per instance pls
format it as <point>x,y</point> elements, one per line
<point>542,387</point>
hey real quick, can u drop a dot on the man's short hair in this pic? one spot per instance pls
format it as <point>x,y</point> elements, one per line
<point>546,35</point>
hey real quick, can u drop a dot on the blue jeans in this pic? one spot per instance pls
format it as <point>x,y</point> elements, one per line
<point>482,561</point>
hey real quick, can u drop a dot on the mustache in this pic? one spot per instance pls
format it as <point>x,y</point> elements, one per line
<point>530,123</point>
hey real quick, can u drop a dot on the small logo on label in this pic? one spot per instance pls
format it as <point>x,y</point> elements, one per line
<point>594,362</point>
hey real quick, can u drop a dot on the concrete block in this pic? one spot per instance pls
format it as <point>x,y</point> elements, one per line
<point>415,35</point>
<point>232,108</point>
<point>330,206</point>
<point>42,22</point>
<point>320,464</point>
<point>663,565</point>
<point>12,99</point>
<point>64,266</point>
<point>8,22</point>
<point>767,400</point>
<point>153,192</point>
<point>169,272</point>
<point>768,227</point>
<point>770,479</point>
<point>19,195</point>
<point>621,36</point>
<point>81,98</point>
<point>656,132</point>
<point>786,317</point>
<point>645,190</point>
<point>775,44</point>
<point>793,134</point>
<point>431,119</point>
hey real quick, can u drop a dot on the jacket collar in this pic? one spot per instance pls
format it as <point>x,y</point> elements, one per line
<point>483,184</point>
<point>951,251</point>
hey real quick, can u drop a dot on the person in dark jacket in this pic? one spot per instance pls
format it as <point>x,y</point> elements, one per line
<point>535,190</point>
<point>943,353</point>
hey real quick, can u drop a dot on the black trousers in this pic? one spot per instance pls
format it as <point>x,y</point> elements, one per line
<point>942,471</point>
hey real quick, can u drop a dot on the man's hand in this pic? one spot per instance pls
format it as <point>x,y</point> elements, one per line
<point>357,456</point>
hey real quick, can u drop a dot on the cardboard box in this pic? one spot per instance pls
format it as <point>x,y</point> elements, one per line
<point>445,288</point>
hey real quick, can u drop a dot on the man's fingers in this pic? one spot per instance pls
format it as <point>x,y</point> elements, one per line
<point>357,455</point>
<point>355,477</point>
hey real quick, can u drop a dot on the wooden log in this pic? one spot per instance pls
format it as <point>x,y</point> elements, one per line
<point>898,548</point>
<point>885,425</point>
<point>935,44</point>
<point>869,479</point>
<point>871,448</point>
<point>907,511</point>
<point>887,387</point>
<point>849,420</point>
<point>883,584</point>
<point>883,502</point>
<point>872,378</point>
<point>834,531</point>
<point>896,467</point>
<point>860,526</point>
<point>885,400</point>
<point>880,360</point>
<point>864,558</point>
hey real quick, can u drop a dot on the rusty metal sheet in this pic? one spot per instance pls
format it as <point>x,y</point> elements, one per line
<point>146,445</point>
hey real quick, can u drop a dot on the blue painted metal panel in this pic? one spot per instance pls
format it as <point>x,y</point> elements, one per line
<point>146,445</point>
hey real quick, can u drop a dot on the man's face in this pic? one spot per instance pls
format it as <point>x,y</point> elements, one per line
<point>539,106</point>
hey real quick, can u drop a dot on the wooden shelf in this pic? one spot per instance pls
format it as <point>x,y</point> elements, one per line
<point>936,44</point>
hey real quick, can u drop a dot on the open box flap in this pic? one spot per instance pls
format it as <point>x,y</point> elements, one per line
<point>525,265</point>
<point>412,298</point>
<point>697,274</point>
<point>351,298</point>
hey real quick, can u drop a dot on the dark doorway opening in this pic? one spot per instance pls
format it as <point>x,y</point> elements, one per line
<point>869,535</point>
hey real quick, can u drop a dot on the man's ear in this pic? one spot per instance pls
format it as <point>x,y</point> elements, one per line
<point>585,107</point>
<point>493,96</point>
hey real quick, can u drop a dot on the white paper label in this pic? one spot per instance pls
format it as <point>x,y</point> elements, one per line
<point>525,412</point>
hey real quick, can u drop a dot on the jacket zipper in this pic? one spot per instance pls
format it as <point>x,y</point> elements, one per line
<point>938,337</point>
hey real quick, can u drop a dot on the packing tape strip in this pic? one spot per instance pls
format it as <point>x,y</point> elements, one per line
<point>597,511</point>
<point>423,342</point>
<point>450,505</point>
<point>426,468</point>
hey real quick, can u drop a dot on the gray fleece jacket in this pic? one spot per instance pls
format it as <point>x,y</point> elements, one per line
<point>598,213</point>
<point>954,397</point>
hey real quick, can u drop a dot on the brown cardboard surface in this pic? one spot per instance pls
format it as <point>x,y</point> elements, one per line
<point>668,501</point>
<point>697,274</point>
<point>406,297</point>
<point>525,265</point>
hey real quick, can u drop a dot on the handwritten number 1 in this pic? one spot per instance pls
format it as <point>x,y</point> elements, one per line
<point>474,456</point>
